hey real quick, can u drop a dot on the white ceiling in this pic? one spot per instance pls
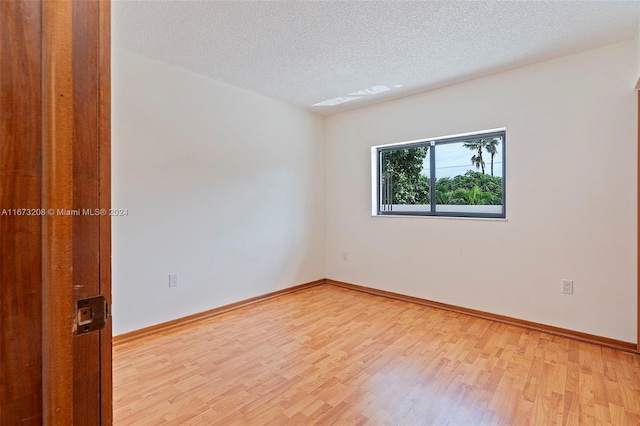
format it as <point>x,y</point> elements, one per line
<point>305,52</point>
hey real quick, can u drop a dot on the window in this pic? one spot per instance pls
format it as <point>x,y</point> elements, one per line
<point>461,176</point>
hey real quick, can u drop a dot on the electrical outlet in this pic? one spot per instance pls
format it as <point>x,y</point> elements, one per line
<point>567,286</point>
<point>345,256</point>
<point>173,280</point>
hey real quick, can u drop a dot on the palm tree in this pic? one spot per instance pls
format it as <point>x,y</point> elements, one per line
<point>492,148</point>
<point>445,197</point>
<point>477,160</point>
<point>477,145</point>
<point>473,196</point>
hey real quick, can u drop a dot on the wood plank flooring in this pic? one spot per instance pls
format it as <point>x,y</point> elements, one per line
<point>328,355</point>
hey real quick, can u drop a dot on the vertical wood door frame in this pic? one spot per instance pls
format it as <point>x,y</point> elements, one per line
<point>57,235</point>
<point>104,152</point>
<point>20,236</point>
<point>75,77</point>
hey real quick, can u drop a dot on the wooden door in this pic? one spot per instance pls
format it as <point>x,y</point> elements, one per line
<point>54,222</point>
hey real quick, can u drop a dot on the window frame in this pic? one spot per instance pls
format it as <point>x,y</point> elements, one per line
<point>432,144</point>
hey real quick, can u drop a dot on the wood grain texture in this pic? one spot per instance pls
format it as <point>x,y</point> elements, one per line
<point>638,219</point>
<point>86,229</point>
<point>104,164</point>
<point>186,321</point>
<point>75,151</point>
<point>54,153</point>
<point>20,187</point>
<point>572,334</point>
<point>57,253</point>
<point>330,355</point>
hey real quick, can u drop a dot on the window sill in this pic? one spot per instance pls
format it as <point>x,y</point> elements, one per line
<point>396,216</point>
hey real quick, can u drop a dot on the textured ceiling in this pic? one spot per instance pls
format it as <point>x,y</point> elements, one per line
<point>305,52</point>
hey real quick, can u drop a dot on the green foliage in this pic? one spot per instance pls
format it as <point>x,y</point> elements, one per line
<point>410,186</point>
<point>470,188</point>
<point>473,197</point>
<point>405,167</point>
<point>469,180</point>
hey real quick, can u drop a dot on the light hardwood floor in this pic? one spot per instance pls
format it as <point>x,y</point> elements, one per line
<point>329,355</point>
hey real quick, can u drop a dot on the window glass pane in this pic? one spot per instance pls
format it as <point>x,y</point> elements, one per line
<point>404,180</point>
<point>469,176</point>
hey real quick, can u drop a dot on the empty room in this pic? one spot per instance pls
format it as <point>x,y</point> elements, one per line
<point>320,212</point>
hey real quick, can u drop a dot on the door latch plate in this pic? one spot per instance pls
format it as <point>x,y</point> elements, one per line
<point>91,314</point>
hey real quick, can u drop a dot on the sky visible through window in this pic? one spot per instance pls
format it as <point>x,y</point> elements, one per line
<point>453,160</point>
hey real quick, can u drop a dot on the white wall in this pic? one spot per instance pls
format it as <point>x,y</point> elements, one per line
<point>223,186</point>
<point>637,50</point>
<point>570,146</point>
